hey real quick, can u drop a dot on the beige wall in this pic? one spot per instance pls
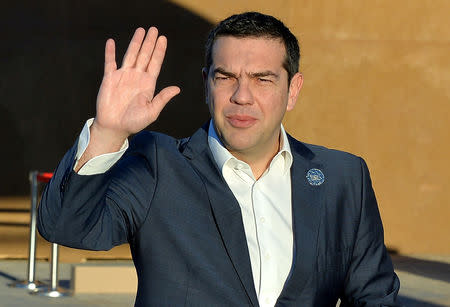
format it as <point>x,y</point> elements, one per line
<point>377,83</point>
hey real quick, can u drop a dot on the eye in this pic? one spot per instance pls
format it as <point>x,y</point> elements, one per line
<point>222,79</point>
<point>219,77</point>
<point>264,80</point>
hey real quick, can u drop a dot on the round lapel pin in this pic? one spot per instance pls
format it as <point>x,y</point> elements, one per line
<point>315,176</point>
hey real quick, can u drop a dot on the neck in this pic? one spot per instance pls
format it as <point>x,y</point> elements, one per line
<point>259,158</point>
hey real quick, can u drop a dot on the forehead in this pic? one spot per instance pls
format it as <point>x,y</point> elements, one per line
<point>251,52</point>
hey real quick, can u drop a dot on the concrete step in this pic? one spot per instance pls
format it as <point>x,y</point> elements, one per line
<point>104,278</point>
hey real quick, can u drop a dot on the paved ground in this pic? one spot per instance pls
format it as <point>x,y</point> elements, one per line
<point>425,281</point>
<point>16,270</point>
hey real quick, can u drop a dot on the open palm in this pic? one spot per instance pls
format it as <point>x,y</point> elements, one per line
<point>126,101</point>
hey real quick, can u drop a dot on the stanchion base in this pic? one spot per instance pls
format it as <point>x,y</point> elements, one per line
<point>58,292</point>
<point>30,285</point>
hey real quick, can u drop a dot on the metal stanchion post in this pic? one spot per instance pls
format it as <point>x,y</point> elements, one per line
<point>30,283</point>
<point>53,290</point>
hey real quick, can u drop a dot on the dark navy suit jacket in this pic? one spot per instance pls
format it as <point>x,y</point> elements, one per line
<point>169,201</point>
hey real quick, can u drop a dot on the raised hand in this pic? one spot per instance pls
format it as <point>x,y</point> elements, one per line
<point>126,101</point>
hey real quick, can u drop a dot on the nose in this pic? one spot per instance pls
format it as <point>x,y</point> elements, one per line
<point>242,94</point>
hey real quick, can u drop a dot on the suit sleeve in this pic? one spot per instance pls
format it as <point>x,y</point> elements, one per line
<point>97,212</point>
<point>371,280</point>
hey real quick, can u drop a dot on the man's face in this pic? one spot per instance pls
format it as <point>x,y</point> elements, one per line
<point>248,93</point>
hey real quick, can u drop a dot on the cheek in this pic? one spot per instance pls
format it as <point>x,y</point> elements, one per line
<point>219,97</point>
<point>272,102</point>
<point>214,105</point>
<point>221,92</point>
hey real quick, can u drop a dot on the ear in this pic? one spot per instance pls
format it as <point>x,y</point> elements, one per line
<point>205,83</point>
<point>204,74</point>
<point>294,90</point>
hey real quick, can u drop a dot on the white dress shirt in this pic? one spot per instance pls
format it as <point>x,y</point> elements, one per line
<point>266,212</point>
<point>98,164</point>
<point>265,203</point>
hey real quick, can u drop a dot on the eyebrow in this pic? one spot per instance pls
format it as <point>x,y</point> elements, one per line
<point>222,71</point>
<point>266,73</point>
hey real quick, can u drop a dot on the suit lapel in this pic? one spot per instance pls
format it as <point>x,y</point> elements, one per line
<point>307,202</point>
<point>225,208</point>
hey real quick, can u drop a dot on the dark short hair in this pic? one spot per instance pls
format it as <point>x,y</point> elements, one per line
<point>254,24</point>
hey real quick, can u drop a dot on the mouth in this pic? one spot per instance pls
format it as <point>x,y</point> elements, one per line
<point>241,121</point>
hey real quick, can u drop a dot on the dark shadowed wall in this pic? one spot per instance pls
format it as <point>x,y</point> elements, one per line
<point>52,64</point>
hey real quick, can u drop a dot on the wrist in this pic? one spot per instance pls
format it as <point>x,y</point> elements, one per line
<point>104,139</point>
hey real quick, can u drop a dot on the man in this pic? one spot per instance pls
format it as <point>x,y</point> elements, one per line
<point>238,214</point>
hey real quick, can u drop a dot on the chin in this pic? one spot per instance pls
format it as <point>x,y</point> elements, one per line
<point>237,146</point>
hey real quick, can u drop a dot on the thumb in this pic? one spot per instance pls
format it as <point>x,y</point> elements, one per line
<point>164,96</point>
